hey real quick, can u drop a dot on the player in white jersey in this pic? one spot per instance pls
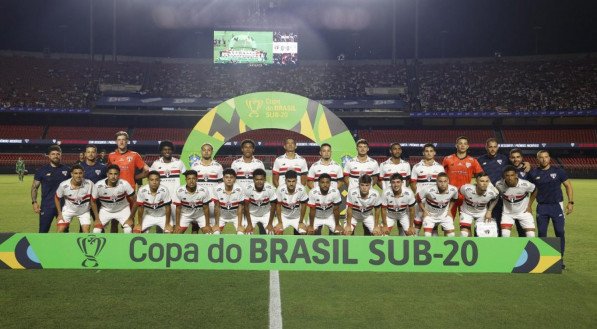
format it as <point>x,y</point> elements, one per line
<point>398,205</point>
<point>479,200</point>
<point>292,205</point>
<point>518,196</point>
<point>424,175</point>
<point>245,165</point>
<point>76,192</point>
<point>289,161</point>
<point>228,198</point>
<point>209,174</point>
<point>394,164</point>
<point>436,203</point>
<point>116,197</point>
<point>153,206</point>
<point>260,204</point>
<point>360,165</point>
<point>170,169</point>
<point>192,203</point>
<point>324,203</point>
<point>363,204</point>
<point>325,165</point>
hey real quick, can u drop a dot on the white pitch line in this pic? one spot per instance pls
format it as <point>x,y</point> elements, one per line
<point>275,303</point>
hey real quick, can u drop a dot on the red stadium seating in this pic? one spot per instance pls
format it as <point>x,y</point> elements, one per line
<point>160,134</point>
<point>34,159</point>
<point>31,132</point>
<point>549,135</point>
<point>424,136</point>
<point>582,163</point>
<point>85,133</point>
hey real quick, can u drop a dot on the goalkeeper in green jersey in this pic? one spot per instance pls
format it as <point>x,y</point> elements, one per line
<point>20,169</point>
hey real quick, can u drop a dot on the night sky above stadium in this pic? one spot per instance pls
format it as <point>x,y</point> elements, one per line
<point>359,29</point>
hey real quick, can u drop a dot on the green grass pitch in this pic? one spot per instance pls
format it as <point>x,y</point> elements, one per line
<point>225,299</point>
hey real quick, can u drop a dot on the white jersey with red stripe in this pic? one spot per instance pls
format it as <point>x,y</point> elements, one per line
<point>354,169</point>
<point>475,204</point>
<point>113,199</point>
<point>283,163</point>
<point>169,173</point>
<point>76,200</point>
<point>362,206</point>
<point>228,203</point>
<point>389,168</point>
<point>425,176</point>
<point>437,203</point>
<point>153,204</point>
<point>244,170</point>
<point>333,169</point>
<point>208,176</point>
<point>291,202</point>
<point>192,203</point>
<point>260,202</point>
<point>397,205</point>
<point>516,199</point>
<point>324,203</point>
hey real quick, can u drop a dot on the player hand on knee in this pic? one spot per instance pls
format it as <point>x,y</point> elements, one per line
<point>410,231</point>
<point>279,229</point>
<point>338,229</point>
<point>347,229</point>
<point>137,229</point>
<point>310,230</point>
<point>377,231</point>
<point>240,230</point>
<point>206,229</point>
<point>249,229</point>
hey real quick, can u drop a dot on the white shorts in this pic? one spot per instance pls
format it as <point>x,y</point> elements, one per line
<point>150,221</point>
<point>121,216</point>
<point>466,220</point>
<point>367,222</point>
<point>329,222</point>
<point>446,222</point>
<point>185,221</point>
<point>525,219</point>
<point>292,222</point>
<point>233,221</point>
<point>404,222</point>
<point>67,216</point>
<point>264,220</point>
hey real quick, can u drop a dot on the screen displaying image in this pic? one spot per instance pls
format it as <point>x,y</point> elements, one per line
<point>255,47</point>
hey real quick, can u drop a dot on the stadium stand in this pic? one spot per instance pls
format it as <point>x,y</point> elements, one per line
<point>28,131</point>
<point>550,135</point>
<point>424,135</point>
<point>87,133</point>
<point>156,134</point>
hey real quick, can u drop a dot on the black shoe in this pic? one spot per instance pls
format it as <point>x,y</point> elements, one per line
<point>563,266</point>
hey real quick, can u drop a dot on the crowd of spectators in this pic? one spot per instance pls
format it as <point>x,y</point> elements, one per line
<point>507,85</point>
<point>490,85</point>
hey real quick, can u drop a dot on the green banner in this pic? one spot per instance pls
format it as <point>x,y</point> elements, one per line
<point>269,110</point>
<point>296,253</point>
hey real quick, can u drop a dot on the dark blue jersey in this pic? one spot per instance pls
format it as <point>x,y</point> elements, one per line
<point>548,183</point>
<point>94,173</point>
<point>50,178</point>
<point>493,166</point>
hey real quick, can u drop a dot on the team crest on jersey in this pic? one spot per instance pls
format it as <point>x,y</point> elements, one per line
<point>98,172</point>
<point>499,161</point>
<point>523,174</point>
<point>468,165</point>
<point>553,176</point>
<point>167,172</point>
<point>129,159</point>
<point>64,172</point>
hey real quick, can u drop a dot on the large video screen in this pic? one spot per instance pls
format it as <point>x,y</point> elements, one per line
<point>255,47</point>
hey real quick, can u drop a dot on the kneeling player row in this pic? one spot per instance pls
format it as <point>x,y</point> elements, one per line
<point>273,210</point>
